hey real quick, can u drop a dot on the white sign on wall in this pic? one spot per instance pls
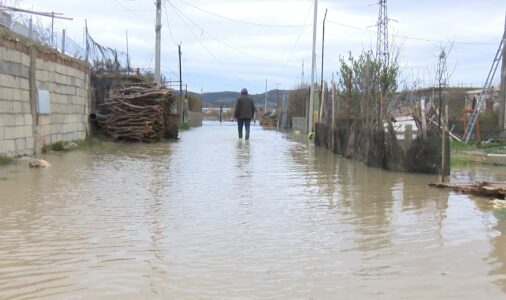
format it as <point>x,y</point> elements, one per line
<point>43,102</point>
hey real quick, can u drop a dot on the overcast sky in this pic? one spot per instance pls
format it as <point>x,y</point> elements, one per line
<point>230,44</point>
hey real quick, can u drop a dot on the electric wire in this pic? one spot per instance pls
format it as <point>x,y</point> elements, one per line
<point>168,25</point>
<point>176,10</point>
<point>300,32</point>
<point>240,21</point>
<point>133,13</point>
<point>226,44</point>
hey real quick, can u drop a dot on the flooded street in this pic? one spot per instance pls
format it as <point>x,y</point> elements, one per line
<point>212,217</point>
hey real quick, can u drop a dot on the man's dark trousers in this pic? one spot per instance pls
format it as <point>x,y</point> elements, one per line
<point>246,123</point>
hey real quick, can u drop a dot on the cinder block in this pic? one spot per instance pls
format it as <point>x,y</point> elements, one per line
<point>25,60</point>
<point>3,53</point>
<point>6,93</point>
<point>25,84</point>
<point>13,56</point>
<point>6,119</point>
<point>16,94</point>
<point>26,107</point>
<point>20,145</point>
<point>28,131</point>
<point>25,71</point>
<point>5,106</point>
<point>44,120</point>
<point>7,146</point>
<point>30,143</point>
<point>25,96</point>
<point>1,133</point>
<point>12,133</point>
<point>17,107</point>
<point>19,120</point>
<point>28,119</point>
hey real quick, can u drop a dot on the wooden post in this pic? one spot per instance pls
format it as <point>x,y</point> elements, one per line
<point>444,129</point>
<point>408,135</point>
<point>323,100</point>
<point>333,118</point>
<point>424,120</point>
<point>348,102</point>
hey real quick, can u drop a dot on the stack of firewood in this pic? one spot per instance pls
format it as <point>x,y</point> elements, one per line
<point>139,112</point>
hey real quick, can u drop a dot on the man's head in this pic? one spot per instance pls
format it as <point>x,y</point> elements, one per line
<point>244,91</point>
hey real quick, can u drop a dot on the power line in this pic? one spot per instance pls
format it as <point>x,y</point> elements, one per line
<point>225,44</point>
<point>241,21</point>
<point>300,32</point>
<point>168,25</point>
<point>407,37</point>
<point>179,13</point>
<point>133,13</point>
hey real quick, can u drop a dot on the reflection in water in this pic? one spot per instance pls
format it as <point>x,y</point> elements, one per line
<point>213,217</point>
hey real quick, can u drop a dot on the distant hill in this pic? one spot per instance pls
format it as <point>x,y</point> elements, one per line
<point>227,99</point>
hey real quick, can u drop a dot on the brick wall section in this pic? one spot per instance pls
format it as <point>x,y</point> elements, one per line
<point>22,130</point>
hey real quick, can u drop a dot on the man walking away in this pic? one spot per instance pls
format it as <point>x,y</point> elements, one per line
<point>244,112</point>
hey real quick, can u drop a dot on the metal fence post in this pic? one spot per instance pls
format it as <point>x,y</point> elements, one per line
<point>63,42</point>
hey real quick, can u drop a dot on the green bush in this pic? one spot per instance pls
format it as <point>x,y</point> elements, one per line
<point>183,126</point>
<point>58,146</point>
<point>5,160</point>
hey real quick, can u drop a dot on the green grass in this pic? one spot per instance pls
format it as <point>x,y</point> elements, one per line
<point>460,160</point>
<point>87,143</point>
<point>461,146</point>
<point>183,126</point>
<point>5,160</point>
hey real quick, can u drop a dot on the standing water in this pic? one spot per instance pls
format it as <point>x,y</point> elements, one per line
<point>214,217</point>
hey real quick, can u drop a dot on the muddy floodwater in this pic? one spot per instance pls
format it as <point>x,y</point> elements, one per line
<point>212,217</point>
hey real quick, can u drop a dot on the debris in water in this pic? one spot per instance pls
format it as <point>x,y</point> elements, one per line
<point>38,163</point>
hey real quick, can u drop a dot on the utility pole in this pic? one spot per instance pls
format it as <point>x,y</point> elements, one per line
<point>302,75</point>
<point>128,56</point>
<point>87,40</point>
<point>441,73</point>
<point>158,40</point>
<point>313,66</point>
<point>323,48</point>
<point>180,106</point>
<point>265,101</point>
<point>52,30</point>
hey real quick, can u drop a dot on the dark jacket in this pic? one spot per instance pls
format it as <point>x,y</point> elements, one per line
<point>244,107</point>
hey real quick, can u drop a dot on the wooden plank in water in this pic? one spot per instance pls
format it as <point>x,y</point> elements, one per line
<point>484,188</point>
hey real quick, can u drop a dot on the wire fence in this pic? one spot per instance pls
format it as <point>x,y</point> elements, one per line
<point>101,58</point>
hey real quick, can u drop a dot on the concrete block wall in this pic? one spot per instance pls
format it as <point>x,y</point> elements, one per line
<point>68,92</point>
<point>16,123</point>
<point>26,67</point>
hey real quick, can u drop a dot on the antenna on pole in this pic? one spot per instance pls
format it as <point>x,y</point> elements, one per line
<point>382,52</point>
